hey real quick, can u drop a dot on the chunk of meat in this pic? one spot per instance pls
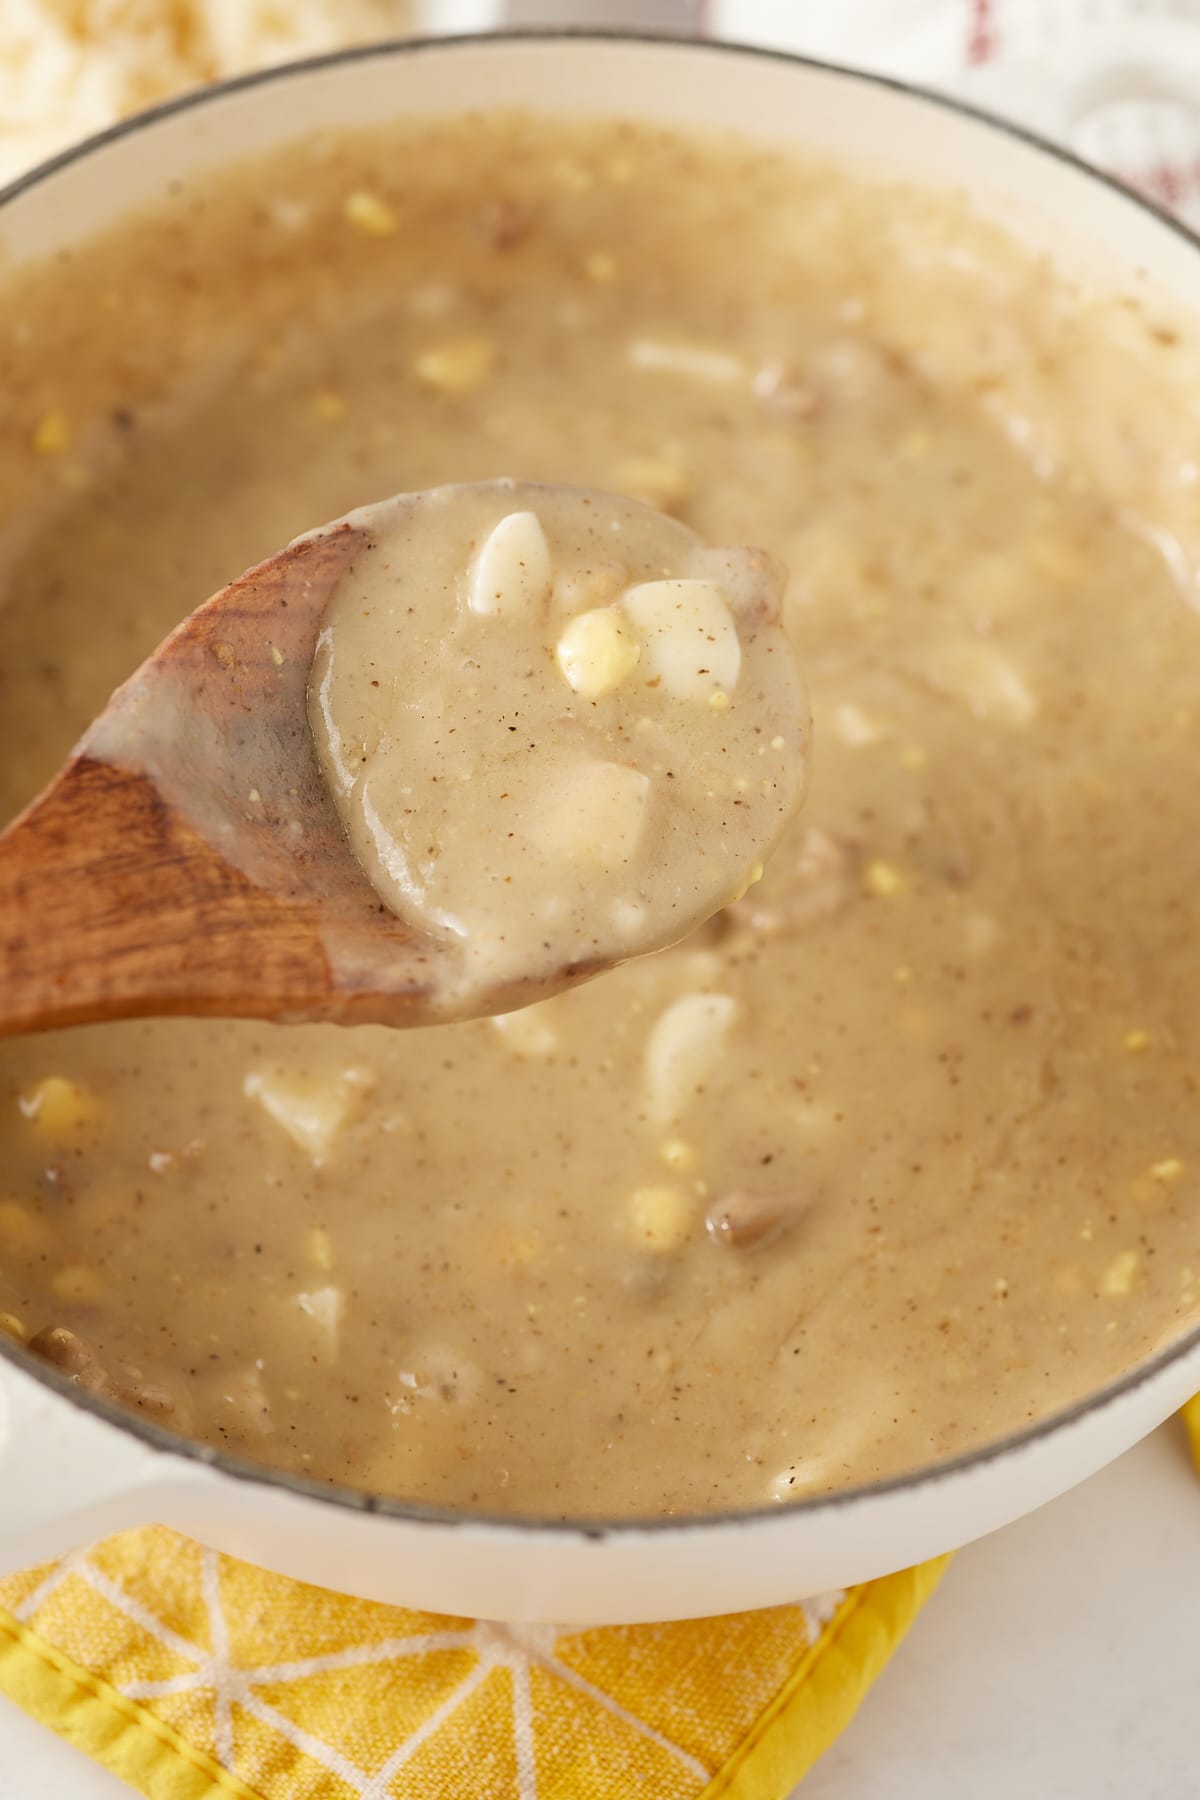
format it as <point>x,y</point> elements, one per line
<point>504,223</point>
<point>72,1357</point>
<point>745,1220</point>
<point>126,1385</point>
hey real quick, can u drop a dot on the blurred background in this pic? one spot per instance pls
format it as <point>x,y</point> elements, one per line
<point>1118,81</point>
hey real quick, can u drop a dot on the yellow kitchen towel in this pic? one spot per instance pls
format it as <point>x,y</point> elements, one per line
<point>1191,1420</point>
<point>192,1675</point>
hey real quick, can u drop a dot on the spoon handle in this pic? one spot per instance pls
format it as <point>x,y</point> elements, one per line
<point>111,906</point>
<point>151,878</point>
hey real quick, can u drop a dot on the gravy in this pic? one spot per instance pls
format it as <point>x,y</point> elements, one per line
<point>901,1151</point>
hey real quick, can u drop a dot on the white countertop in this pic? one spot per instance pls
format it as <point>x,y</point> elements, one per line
<point>1059,1660</point>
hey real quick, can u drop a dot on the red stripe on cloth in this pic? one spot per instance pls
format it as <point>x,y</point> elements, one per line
<point>1168,183</point>
<point>983,39</point>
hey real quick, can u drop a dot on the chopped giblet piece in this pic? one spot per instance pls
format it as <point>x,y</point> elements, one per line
<point>744,1220</point>
<point>512,573</point>
<point>696,361</point>
<point>1119,1276</point>
<point>883,879</point>
<point>597,814</point>
<point>691,642</point>
<point>661,1217</point>
<point>505,223</point>
<point>685,1045</point>
<point>53,434</point>
<point>596,652</point>
<point>457,366</point>
<point>59,1109</point>
<point>369,214</point>
<point>311,1109</point>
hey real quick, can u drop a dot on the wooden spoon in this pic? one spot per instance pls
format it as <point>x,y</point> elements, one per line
<point>116,902</point>
<point>192,858</point>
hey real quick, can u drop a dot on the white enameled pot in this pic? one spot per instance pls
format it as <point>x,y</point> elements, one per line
<point>72,1467</point>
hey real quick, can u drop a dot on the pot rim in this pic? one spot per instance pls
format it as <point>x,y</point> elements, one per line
<point>358,1500</point>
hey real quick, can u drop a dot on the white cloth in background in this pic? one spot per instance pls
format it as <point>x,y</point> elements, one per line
<point>69,70</point>
<point>1116,80</point>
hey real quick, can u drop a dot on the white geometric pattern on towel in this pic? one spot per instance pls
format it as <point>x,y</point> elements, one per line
<point>517,1648</point>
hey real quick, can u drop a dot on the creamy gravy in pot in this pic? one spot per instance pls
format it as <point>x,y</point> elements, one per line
<point>897,1154</point>
<point>560,730</point>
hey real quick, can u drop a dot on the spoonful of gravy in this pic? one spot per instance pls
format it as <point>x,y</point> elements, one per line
<point>440,758</point>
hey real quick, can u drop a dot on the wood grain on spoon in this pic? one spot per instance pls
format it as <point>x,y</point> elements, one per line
<point>118,901</point>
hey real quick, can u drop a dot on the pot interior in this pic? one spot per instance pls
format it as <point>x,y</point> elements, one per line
<point>928,422</point>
